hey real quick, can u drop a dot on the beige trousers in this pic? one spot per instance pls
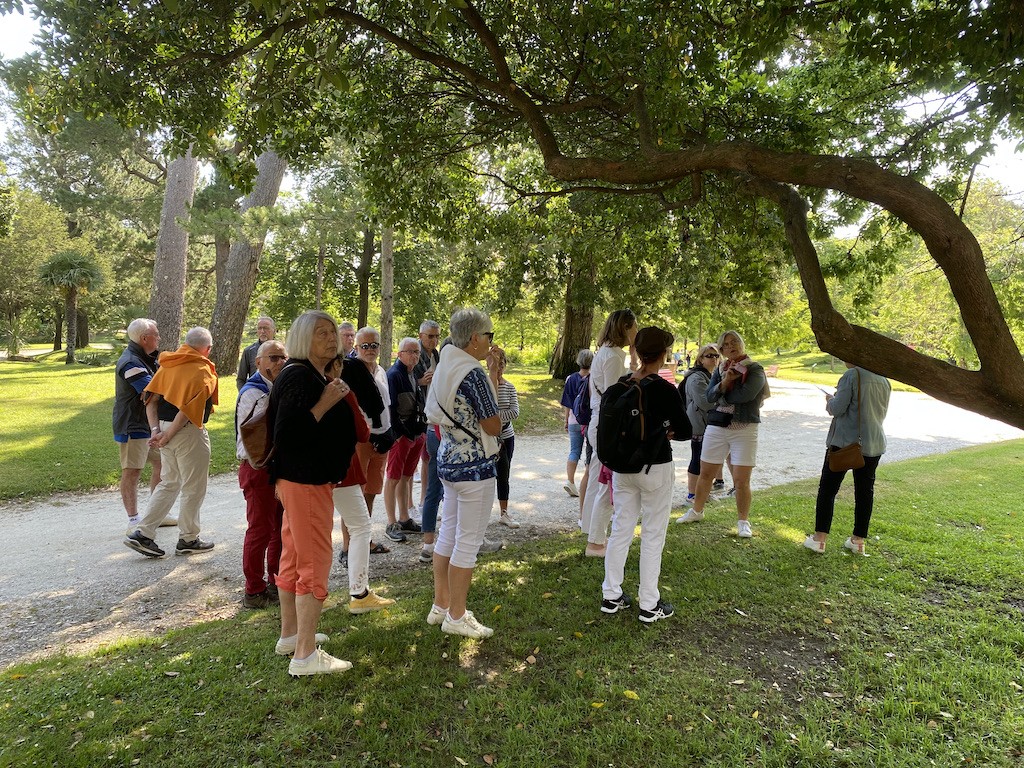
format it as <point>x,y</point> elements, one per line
<point>186,469</point>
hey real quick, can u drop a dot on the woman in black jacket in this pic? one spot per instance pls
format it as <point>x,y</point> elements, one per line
<point>314,438</point>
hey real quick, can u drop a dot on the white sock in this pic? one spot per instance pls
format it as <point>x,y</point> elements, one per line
<point>133,522</point>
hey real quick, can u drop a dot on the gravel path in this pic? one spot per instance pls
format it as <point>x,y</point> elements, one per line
<point>68,584</point>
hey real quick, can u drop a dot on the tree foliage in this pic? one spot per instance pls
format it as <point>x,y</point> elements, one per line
<point>774,109</point>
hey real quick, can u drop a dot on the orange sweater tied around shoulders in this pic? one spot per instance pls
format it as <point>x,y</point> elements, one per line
<point>186,379</point>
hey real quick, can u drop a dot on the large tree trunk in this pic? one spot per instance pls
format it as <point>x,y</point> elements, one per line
<point>578,320</point>
<point>242,268</point>
<point>82,335</point>
<point>363,270</point>
<point>58,326</point>
<point>387,295</point>
<point>221,250</point>
<point>70,324</point>
<point>167,301</point>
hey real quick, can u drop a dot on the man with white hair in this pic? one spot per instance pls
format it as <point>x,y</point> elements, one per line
<point>265,331</point>
<point>410,426</point>
<point>181,396</point>
<point>261,548</point>
<point>134,370</point>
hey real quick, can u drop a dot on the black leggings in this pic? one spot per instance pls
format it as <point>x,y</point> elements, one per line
<point>504,466</point>
<point>863,496</point>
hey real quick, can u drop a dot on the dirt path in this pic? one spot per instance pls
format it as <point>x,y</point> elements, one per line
<point>67,582</point>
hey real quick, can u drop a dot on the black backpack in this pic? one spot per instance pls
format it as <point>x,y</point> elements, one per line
<point>628,439</point>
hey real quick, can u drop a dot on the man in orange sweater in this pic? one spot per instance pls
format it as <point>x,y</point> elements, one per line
<point>180,399</point>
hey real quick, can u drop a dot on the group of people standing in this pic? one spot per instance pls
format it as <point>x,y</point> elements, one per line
<point>718,406</point>
<point>338,423</point>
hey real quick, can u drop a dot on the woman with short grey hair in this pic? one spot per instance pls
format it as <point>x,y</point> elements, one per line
<point>462,400</point>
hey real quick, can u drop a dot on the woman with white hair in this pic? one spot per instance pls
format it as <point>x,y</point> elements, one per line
<point>463,401</point>
<point>737,389</point>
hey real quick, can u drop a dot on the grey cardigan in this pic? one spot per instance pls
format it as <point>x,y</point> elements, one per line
<point>874,404</point>
<point>746,396</point>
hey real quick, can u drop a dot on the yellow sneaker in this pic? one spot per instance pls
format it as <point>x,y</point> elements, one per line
<point>371,602</point>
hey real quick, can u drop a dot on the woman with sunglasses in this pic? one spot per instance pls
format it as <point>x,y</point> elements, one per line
<point>737,389</point>
<point>693,389</point>
<point>463,401</point>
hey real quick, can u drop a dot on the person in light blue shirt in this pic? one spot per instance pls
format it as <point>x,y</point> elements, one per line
<point>858,409</point>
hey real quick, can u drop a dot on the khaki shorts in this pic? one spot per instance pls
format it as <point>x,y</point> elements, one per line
<point>136,453</point>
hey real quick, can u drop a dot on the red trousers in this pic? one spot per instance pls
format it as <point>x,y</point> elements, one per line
<point>262,546</point>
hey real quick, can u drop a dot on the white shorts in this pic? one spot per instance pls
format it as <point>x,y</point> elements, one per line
<point>738,442</point>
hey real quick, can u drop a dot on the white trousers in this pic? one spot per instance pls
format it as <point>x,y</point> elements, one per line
<point>647,497</point>
<point>351,506</point>
<point>464,518</point>
<point>597,506</point>
<point>185,471</point>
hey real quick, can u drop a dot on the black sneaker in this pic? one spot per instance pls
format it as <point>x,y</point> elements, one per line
<point>622,602</point>
<point>146,546</point>
<point>661,611</point>
<point>258,601</point>
<point>272,593</point>
<point>343,558</point>
<point>718,485</point>
<point>410,526</point>
<point>192,547</point>
<point>394,532</point>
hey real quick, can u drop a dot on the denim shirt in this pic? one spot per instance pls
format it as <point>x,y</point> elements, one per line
<point>874,404</point>
<point>745,395</point>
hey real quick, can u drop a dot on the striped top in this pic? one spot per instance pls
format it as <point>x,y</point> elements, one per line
<point>508,408</point>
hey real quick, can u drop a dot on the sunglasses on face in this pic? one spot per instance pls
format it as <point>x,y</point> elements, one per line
<point>370,345</point>
<point>712,355</point>
<point>277,358</point>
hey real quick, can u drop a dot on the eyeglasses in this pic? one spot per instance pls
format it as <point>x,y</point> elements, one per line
<point>277,358</point>
<point>370,345</point>
<point>489,335</point>
<point>433,335</point>
<point>409,352</point>
<point>712,355</point>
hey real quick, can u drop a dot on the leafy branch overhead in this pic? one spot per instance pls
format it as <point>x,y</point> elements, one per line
<point>800,104</point>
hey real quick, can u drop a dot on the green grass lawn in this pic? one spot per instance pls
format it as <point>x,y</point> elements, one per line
<point>56,433</point>
<point>775,657</point>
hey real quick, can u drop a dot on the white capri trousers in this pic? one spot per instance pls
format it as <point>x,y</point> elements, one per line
<point>351,506</point>
<point>464,518</point>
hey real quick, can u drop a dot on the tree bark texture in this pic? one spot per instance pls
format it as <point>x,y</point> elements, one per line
<point>82,334</point>
<point>363,271</point>
<point>242,268</point>
<point>70,323</point>
<point>578,321</point>
<point>167,302</point>
<point>387,295</point>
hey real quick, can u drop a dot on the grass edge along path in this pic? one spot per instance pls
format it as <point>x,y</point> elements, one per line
<point>776,656</point>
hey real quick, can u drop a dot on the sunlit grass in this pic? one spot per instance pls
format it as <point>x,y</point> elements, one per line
<point>775,657</point>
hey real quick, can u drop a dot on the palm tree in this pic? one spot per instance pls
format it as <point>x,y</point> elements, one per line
<point>71,272</point>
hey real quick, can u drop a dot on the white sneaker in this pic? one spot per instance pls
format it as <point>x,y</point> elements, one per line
<point>814,545</point>
<point>856,547</point>
<point>436,615</point>
<point>571,489</point>
<point>320,662</point>
<point>286,645</point>
<point>467,626</point>
<point>508,521</point>
<point>691,516</point>
<point>743,529</point>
